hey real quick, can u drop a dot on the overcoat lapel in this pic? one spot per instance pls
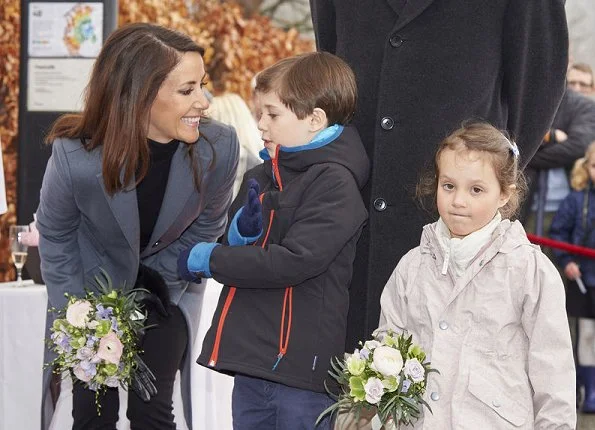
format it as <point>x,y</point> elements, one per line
<point>125,209</point>
<point>397,5</point>
<point>180,186</point>
<point>412,9</point>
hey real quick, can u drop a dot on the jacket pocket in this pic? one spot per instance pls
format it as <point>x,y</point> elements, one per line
<point>513,411</point>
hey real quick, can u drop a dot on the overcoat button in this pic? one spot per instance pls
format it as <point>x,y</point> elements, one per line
<point>443,325</point>
<point>380,204</point>
<point>387,123</point>
<point>395,41</point>
<point>435,396</point>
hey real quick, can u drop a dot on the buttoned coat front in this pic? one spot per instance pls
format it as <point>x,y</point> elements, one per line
<point>83,229</point>
<point>498,334</point>
<point>422,68</point>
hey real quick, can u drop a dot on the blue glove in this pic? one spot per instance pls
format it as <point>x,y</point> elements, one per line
<point>250,220</point>
<point>193,262</point>
<point>246,226</point>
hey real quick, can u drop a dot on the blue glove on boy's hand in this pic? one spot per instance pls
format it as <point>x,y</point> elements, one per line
<point>250,220</point>
<point>193,262</point>
<point>246,225</point>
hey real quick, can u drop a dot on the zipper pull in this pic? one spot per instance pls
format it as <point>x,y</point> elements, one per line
<point>279,357</point>
<point>445,263</point>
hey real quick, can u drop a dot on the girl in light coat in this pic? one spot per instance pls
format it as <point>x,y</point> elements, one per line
<point>485,304</point>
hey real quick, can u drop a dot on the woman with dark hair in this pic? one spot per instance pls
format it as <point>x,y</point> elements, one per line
<point>134,179</point>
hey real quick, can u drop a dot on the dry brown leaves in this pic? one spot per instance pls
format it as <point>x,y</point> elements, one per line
<point>10,30</point>
<point>236,47</point>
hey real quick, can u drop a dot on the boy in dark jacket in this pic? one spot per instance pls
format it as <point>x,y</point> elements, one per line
<point>283,312</point>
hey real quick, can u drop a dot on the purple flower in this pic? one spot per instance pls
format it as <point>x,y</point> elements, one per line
<point>414,370</point>
<point>364,354</point>
<point>91,340</point>
<point>406,385</point>
<point>84,353</point>
<point>62,340</point>
<point>93,386</point>
<point>85,370</point>
<point>374,390</point>
<point>114,324</point>
<point>104,313</point>
<point>89,367</point>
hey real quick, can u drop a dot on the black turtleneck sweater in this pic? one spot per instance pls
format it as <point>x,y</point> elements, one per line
<point>150,191</point>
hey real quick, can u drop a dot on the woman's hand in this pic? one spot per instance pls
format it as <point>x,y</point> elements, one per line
<point>572,271</point>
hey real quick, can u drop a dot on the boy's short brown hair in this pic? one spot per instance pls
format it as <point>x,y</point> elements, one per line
<point>312,80</point>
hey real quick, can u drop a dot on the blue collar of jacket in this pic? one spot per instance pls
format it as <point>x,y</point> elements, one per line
<point>323,138</point>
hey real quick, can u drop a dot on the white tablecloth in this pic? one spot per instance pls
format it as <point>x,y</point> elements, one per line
<point>22,321</point>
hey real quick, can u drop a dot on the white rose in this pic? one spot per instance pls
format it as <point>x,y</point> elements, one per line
<point>414,370</point>
<point>78,313</point>
<point>387,361</point>
<point>93,324</point>
<point>370,345</point>
<point>374,390</point>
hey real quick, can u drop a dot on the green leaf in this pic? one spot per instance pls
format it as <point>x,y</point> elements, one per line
<point>357,388</point>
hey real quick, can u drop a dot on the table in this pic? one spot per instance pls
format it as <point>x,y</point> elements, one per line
<point>22,322</point>
<point>22,327</point>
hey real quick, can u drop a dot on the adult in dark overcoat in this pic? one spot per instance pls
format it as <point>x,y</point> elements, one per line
<point>424,66</point>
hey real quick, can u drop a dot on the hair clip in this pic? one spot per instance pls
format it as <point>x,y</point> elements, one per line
<point>514,149</point>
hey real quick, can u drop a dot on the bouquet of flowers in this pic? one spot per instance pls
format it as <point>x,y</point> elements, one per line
<point>388,374</point>
<point>96,338</point>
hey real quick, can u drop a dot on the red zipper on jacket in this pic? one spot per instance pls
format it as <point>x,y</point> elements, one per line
<point>287,299</point>
<point>215,352</point>
<point>230,295</point>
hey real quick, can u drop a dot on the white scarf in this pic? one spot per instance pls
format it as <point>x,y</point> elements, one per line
<point>463,251</point>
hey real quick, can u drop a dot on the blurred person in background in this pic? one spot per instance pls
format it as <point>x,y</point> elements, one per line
<point>573,223</point>
<point>572,130</point>
<point>580,79</point>
<point>232,110</point>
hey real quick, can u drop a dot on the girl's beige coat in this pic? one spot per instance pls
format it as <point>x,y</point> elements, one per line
<point>498,334</point>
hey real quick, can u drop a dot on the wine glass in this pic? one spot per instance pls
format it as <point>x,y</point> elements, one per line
<point>18,249</point>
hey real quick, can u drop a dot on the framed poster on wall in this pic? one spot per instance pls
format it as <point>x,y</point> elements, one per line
<point>59,43</point>
<point>64,29</point>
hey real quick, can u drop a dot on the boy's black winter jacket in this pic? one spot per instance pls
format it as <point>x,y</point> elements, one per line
<point>283,312</point>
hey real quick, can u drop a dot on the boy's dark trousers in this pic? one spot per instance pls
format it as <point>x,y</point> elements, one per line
<point>258,404</point>
<point>164,348</point>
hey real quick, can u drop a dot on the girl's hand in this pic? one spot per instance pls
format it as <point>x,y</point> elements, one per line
<point>572,271</point>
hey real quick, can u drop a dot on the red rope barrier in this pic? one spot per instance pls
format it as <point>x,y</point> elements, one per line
<point>551,243</point>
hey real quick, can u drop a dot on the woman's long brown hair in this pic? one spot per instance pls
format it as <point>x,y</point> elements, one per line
<point>132,65</point>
